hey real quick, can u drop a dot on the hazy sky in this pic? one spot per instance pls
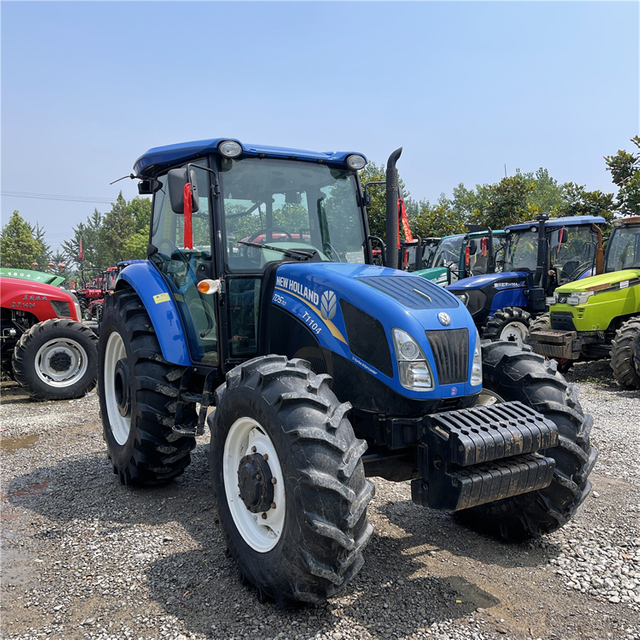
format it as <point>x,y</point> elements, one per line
<point>465,87</point>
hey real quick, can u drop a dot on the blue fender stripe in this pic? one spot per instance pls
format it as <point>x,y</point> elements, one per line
<point>162,309</point>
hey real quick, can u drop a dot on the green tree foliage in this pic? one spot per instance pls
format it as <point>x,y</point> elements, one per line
<point>505,203</point>
<point>45,250</point>
<point>625,173</point>
<point>429,221</point>
<point>18,246</point>
<point>120,234</point>
<point>547,194</point>
<point>577,201</point>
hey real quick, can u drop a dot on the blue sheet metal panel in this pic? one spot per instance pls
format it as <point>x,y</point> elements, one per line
<point>162,309</point>
<point>480,282</point>
<point>312,292</point>
<point>158,157</point>
<point>566,221</point>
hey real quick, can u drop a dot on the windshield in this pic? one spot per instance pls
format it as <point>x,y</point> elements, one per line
<point>623,251</point>
<point>448,252</point>
<point>289,205</point>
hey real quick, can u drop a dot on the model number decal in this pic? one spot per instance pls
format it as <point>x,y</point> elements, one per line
<point>311,323</point>
<point>278,299</point>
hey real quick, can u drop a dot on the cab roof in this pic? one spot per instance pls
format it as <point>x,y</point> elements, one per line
<point>155,160</point>
<point>566,221</point>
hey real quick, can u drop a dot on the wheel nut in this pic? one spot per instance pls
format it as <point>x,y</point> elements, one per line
<point>266,456</point>
<point>273,505</point>
<point>253,449</point>
<point>273,481</point>
<point>264,516</point>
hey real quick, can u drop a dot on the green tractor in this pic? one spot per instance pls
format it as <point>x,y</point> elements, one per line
<point>599,317</point>
<point>463,255</point>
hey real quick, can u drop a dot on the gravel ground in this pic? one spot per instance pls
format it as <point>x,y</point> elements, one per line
<point>84,557</point>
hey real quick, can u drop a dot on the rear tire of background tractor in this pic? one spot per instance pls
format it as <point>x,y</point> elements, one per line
<point>510,324</point>
<point>289,482</point>
<point>622,356</point>
<point>56,360</point>
<point>138,392</point>
<point>514,374</point>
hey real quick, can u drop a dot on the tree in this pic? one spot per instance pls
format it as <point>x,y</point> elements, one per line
<point>577,201</point>
<point>45,251</point>
<point>625,173</point>
<point>18,247</point>
<point>547,193</point>
<point>505,203</point>
<point>436,221</point>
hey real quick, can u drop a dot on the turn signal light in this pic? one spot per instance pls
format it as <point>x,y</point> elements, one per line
<point>208,286</point>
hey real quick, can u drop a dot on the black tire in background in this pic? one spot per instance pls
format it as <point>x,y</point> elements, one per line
<point>289,482</point>
<point>138,391</point>
<point>510,324</point>
<point>512,374</point>
<point>622,356</point>
<point>56,360</point>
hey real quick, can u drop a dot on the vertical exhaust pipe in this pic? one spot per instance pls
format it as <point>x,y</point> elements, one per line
<point>392,210</point>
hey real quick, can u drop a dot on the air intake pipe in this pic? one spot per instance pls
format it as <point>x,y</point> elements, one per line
<point>392,209</point>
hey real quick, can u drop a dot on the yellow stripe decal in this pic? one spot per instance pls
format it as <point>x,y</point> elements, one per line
<point>335,332</point>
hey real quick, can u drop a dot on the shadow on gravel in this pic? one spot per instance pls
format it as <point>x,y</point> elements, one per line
<point>202,587</point>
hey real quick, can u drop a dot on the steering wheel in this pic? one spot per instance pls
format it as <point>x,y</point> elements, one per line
<point>264,232</point>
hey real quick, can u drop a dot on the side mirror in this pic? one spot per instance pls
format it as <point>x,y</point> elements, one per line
<point>178,179</point>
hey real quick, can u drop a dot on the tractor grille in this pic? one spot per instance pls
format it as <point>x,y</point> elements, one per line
<point>563,321</point>
<point>450,348</point>
<point>412,292</point>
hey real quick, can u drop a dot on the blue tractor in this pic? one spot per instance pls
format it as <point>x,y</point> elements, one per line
<point>537,257</point>
<point>260,314</point>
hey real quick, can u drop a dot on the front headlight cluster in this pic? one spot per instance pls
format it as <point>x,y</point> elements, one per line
<point>579,298</point>
<point>413,368</point>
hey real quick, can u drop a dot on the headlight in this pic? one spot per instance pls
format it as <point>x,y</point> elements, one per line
<point>552,299</point>
<point>356,162</point>
<point>230,149</point>
<point>579,298</point>
<point>463,297</point>
<point>476,367</point>
<point>413,368</point>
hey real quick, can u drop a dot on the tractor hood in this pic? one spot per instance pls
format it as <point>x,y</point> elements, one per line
<point>603,282</point>
<point>353,308</point>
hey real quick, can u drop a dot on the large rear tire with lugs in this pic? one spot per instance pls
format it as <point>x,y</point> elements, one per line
<point>509,374</point>
<point>138,391</point>
<point>289,481</point>
<point>622,354</point>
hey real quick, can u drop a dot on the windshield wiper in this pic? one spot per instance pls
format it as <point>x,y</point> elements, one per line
<point>296,254</point>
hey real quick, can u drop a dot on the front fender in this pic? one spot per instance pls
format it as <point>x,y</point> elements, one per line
<point>161,306</point>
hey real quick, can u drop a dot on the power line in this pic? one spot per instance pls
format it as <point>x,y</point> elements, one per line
<point>53,196</point>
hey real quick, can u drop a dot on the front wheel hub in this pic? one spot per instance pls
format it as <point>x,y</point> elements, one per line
<point>255,482</point>
<point>122,388</point>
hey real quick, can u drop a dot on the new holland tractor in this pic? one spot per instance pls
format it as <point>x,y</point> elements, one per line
<point>260,315</point>
<point>599,317</point>
<point>538,257</point>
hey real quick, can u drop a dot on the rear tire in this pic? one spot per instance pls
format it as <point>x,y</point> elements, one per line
<point>510,324</point>
<point>514,374</point>
<point>622,357</point>
<point>300,538</point>
<point>138,392</point>
<point>56,360</point>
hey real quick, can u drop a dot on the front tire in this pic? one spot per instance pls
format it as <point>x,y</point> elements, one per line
<point>56,360</point>
<point>289,481</point>
<point>622,357</point>
<point>510,324</point>
<point>514,374</point>
<point>138,391</point>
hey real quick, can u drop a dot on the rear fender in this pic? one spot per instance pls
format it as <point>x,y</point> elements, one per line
<point>161,306</point>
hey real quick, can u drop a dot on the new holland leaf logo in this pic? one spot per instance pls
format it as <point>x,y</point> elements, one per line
<point>328,305</point>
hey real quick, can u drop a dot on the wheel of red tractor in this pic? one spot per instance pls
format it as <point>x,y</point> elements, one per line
<point>509,374</point>
<point>138,391</point>
<point>622,354</point>
<point>510,324</point>
<point>56,360</point>
<point>289,481</point>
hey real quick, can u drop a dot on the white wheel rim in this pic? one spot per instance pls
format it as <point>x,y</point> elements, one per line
<point>57,352</point>
<point>514,332</point>
<point>114,351</point>
<point>487,398</point>
<point>261,531</point>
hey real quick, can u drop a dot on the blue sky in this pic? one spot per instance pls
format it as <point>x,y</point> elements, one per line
<point>464,87</point>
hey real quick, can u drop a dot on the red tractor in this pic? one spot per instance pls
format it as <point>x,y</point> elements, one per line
<point>45,347</point>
